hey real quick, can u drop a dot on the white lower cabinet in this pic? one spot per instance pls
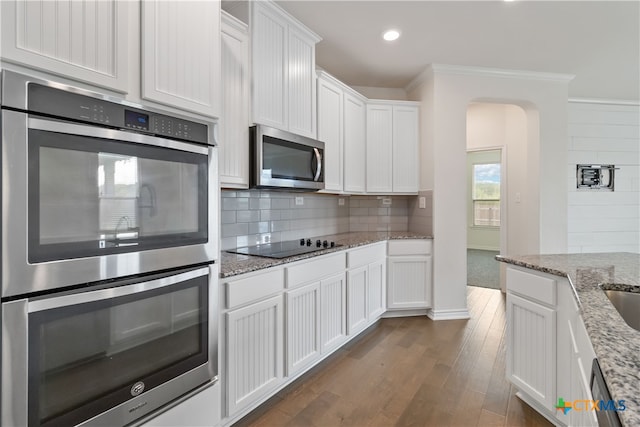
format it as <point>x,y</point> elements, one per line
<point>410,264</point>
<point>281,321</point>
<point>303,327</point>
<point>549,353</point>
<point>357,300</point>
<point>366,286</point>
<point>254,351</point>
<point>333,312</point>
<point>531,354</point>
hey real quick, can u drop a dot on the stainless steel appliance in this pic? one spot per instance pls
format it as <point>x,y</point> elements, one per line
<point>95,188</point>
<point>109,243</point>
<point>285,249</point>
<point>109,354</point>
<point>283,160</point>
<point>600,393</point>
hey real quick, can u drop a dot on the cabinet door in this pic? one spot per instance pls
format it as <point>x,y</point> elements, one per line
<point>354,142</point>
<point>357,302</point>
<point>303,327</point>
<point>301,93</point>
<point>254,352</point>
<point>409,279</point>
<point>531,349</point>
<point>379,148</point>
<point>333,312</point>
<point>181,54</point>
<point>233,146</point>
<point>330,132</point>
<point>269,63</point>
<point>376,290</point>
<point>405,149</point>
<point>85,41</point>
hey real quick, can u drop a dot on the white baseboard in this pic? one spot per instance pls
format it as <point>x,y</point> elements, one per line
<point>448,314</point>
<point>483,248</point>
<point>405,313</point>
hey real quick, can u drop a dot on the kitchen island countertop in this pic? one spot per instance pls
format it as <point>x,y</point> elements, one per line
<point>235,264</point>
<point>616,344</point>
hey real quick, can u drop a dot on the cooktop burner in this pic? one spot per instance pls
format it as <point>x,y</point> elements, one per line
<point>285,249</point>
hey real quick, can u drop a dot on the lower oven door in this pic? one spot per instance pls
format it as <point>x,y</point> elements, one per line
<point>108,356</point>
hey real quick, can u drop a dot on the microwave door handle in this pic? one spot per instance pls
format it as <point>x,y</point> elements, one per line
<point>318,164</point>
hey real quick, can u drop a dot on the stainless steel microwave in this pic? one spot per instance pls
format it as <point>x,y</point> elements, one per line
<point>283,160</point>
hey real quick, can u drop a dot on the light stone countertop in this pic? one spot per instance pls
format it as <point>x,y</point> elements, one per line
<point>616,344</point>
<point>235,264</point>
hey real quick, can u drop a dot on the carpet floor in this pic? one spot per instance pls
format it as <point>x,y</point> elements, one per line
<point>482,269</point>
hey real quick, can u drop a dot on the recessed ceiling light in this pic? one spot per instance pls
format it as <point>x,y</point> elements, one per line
<point>391,35</point>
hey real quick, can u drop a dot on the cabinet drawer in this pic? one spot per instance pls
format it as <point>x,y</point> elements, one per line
<point>316,269</point>
<point>366,254</point>
<point>410,247</point>
<point>530,285</point>
<point>254,288</point>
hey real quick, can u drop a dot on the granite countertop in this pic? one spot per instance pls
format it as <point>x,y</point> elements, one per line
<point>616,344</point>
<point>235,264</point>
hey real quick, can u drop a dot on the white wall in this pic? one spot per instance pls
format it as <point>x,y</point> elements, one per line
<point>605,221</point>
<point>397,94</point>
<point>446,92</point>
<point>505,125</point>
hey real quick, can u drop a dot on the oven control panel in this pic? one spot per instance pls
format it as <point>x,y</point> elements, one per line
<point>74,106</point>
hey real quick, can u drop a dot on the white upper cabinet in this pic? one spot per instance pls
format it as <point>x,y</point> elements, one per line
<point>379,148</point>
<point>181,54</point>
<point>233,144</point>
<point>342,128</point>
<point>330,126</point>
<point>392,147</point>
<point>405,149</point>
<point>85,41</point>
<point>355,141</point>
<point>283,62</point>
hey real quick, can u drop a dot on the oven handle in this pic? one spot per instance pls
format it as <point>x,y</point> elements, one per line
<point>103,294</point>
<point>114,134</point>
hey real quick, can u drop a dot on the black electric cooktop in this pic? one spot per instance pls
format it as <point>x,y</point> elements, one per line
<point>285,249</point>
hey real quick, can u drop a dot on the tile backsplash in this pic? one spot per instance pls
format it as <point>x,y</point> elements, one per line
<point>250,217</point>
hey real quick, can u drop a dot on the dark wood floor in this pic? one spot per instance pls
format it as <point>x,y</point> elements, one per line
<point>410,372</point>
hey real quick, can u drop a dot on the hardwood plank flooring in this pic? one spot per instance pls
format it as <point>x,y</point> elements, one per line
<point>410,371</point>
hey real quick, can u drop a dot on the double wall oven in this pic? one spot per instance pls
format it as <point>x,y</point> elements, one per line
<point>109,243</point>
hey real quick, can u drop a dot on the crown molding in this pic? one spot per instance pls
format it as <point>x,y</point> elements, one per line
<point>604,101</point>
<point>465,70</point>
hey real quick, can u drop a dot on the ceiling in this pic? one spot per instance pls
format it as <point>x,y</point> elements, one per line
<point>597,41</point>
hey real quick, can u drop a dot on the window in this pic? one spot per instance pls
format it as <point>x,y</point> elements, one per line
<point>485,194</point>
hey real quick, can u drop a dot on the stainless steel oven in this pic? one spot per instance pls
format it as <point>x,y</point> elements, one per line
<point>109,243</point>
<point>95,188</point>
<point>109,354</point>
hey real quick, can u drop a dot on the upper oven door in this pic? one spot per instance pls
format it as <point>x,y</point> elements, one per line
<point>82,203</point>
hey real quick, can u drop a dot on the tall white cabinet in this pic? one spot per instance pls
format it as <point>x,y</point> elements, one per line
<point>355,142</point>
<point>85,41</point>
<point>180,54</point>
<point>283,64</point>
<point>392,146</point>
<point>233,144</point>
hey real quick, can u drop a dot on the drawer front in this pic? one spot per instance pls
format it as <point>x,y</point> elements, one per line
<point>316,269</point>
<point>254,288</point>
<point>531,285</point>
<point>410,247</point>
<point>365,255</point>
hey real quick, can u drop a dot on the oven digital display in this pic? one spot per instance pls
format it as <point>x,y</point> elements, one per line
<point>136,120</point>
